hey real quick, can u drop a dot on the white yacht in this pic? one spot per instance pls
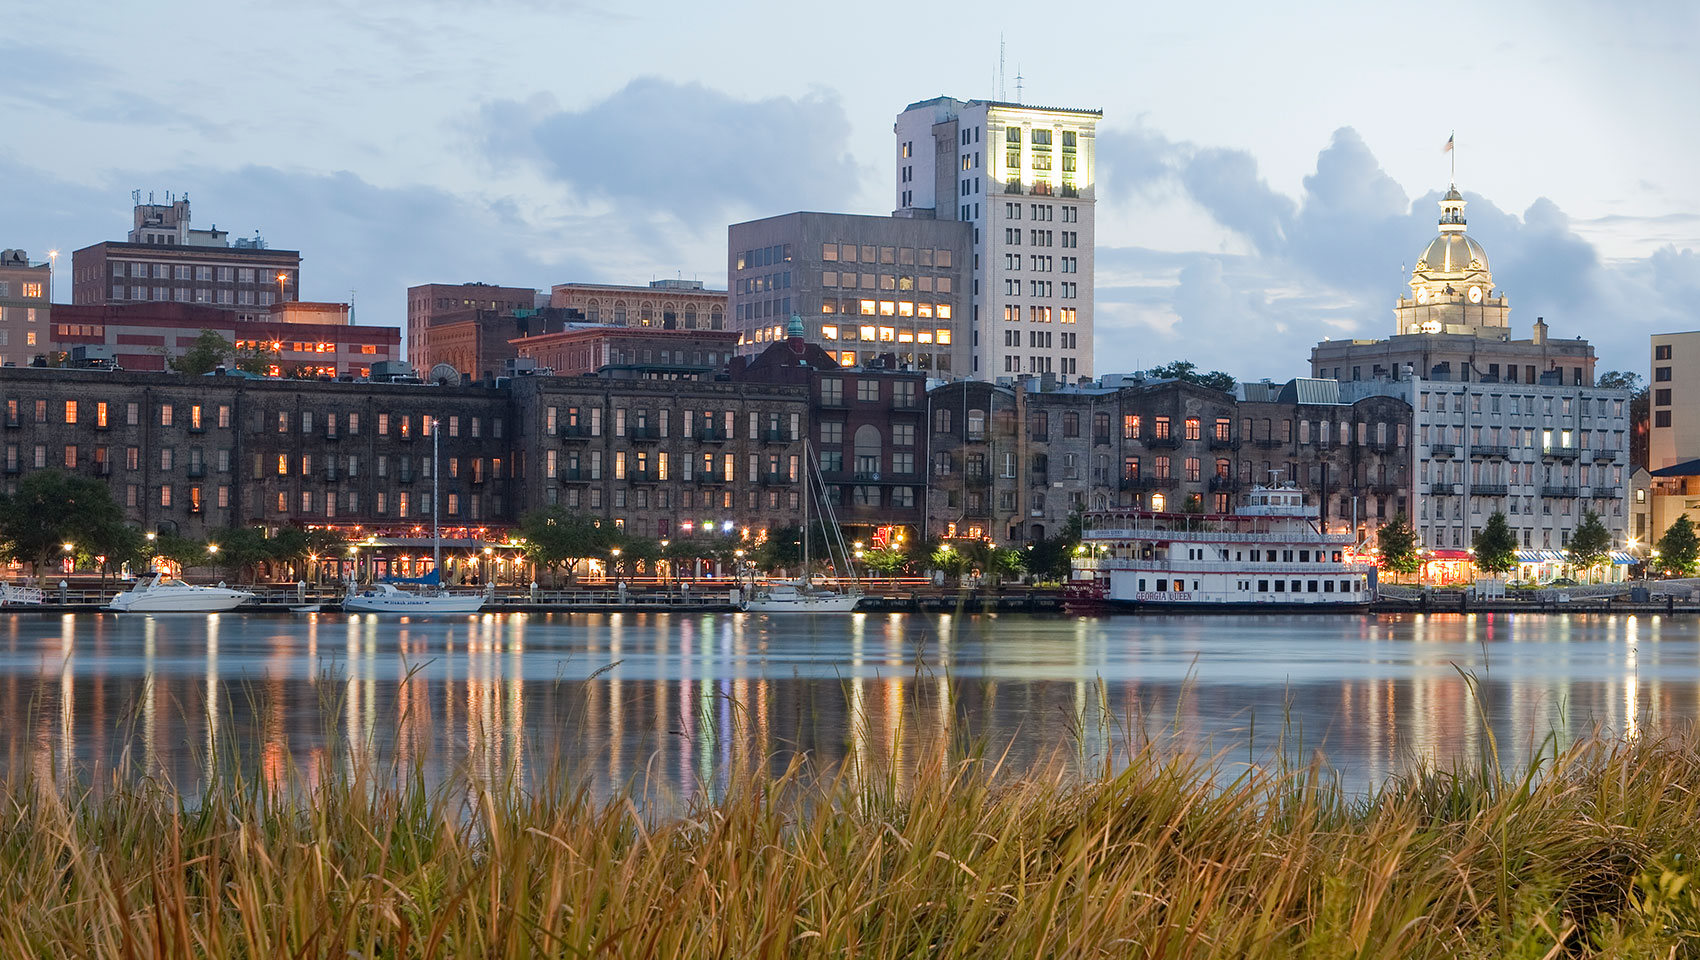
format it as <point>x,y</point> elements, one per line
<point>388,598</point>
<point>163,594</point>
<point>431,597</point>
<point>788,597</point>
<point>1270,553</point>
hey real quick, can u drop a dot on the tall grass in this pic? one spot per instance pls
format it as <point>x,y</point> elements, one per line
<point>1583,852</point>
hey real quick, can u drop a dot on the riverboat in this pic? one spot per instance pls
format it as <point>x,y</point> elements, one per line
<point>1270,553</point>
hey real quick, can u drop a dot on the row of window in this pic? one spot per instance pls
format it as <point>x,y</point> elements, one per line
<point>203,274</point>
<point>849,280</point>
<point>897,256</point>
<point>198,295</point>
<point>1521,405</point>
<point>1037,313</point>
<point>699,424</point>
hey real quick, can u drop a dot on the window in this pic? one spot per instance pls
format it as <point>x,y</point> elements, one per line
<point>1130,427</point>
<point>831,391</point>
<point>1192,428</point>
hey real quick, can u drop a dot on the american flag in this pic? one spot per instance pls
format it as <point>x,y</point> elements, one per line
<point>1448,147</point>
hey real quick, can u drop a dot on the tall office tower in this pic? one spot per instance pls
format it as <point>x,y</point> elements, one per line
<point>1022,177</point>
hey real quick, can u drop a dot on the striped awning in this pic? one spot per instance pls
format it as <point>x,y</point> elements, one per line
<point>1560,556</point>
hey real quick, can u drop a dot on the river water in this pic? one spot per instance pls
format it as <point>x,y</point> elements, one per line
<point>669,702</point>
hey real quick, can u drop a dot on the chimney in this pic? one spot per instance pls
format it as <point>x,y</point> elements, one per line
<point>1540,335</point>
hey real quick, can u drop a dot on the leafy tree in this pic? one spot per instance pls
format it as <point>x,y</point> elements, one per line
<point>1006,562</point>
<point>50,509</point>
<point>886,561</point>
<point>554,536</point>
<point>1590,544</point>
<point>949,559</point>
<point>184,551</point>
<point>1496,546</point>
<point>1397,541</point>
<point>1639,395</point>
<point>782,550</point>
<point>1679,548</point>
<point>1052,558</point>
<point>207,352</point>
<point>258,360</point>
<point>1188,371</point>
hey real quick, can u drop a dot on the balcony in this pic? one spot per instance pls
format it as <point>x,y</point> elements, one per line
<point>1384,489</point>
<point>197,470</point>
<point>776,436</point>
<point>406,436</point>
<point>979,478</point>
<point>1443,489</point>
<point>710,435</point>
<point>1559,453</point>
<point>646,434</point>
<point>1607,493</point>
<point>1040,438</point>
<point>1223,443</point>
<point>1490,450</point>
<point>330,435</point>
<point>832,401</point>
<point>197,428</point>
<point>1560,492</point>
<point>1149,483</point>
<point>1489,490</point>
<point>1070,190</point>
<point>1605,456</point>
<point>99,426</point>
<point>576,431</point>
<point>1224,484</point>
<point>711,477</point>
<point>774,479</point>
<point>905,405</point>
<point>1382,446</point>
<point>1169,442</point>
<point>331,474</point>
<point>404,478</point>
<point>99,468</point>
<point>642,476</point>
<point>574,475</point>
<point>13,423</point>
<point>1012,186</point>
<point>1442,450</point>
<point>1269,442</point>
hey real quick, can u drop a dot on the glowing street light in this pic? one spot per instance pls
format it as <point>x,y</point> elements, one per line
<point>68,546</point>
<point>280,281</point>
<point>212,548</point>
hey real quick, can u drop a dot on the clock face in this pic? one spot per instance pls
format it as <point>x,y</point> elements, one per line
<point>1422,294</point>
<point>1475,294</point>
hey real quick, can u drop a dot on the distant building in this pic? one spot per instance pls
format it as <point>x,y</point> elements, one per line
<point>668,304</point>
<point>1023,178</point>
<point>1673,434</point>
<point>164,260</point>
<point>864,286</point>
<point>1499,425</point>
<point>429,303</point>
<point>147,336</point>
<point>24,308</point>
<point>646,352</point>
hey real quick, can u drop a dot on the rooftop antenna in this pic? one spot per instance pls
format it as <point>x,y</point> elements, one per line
<point>1001,94</point>
<point>1018,79</point>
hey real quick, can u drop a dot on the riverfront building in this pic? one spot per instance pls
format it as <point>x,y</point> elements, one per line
<point>1673,436</point>
<point>1022,178</point>
<point>1514,426</point>
<point>25,310</point>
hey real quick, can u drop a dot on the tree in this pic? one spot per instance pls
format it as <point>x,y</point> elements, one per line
<point>555,536</point>
<point>1397,542</point>
<point>1496,546</point>
<point>1188,371</point>
<point>51,509</point>
<point>1590,543</point>
<point>1639,394</point>
<point>1052,558</point>
<point>886,561</point>
<point>209,351</point>
<point>1006,563</point>
<point>949,559</point>
<point>1679,548</point>
<point>258,360</point>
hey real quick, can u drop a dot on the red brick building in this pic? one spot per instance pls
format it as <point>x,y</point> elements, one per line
<point>146,336</point>
<point>587,348</point>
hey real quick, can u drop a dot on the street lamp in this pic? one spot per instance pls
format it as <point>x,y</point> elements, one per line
<point>280,280</point>
<point>68,546</point>
<point>212,549</point>
<point>52,268</point>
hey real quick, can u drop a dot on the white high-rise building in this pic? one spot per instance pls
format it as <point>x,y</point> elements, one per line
<point>1023,178</point>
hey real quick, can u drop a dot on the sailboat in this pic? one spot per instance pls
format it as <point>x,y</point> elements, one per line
<point>801,595</point>
<point>430,597</point>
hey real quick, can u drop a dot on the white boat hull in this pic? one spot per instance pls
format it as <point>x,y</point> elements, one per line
<point>833,603</point>
<point>403,602</point>
<point>212,600</point>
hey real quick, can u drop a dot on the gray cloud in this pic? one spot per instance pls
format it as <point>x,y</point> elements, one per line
<point>685,150</point>
<point>1328,263</point>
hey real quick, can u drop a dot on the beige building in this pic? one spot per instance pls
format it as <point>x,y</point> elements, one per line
<point>668,304</point>
<point>1673,434</point>
<point>25,288</point>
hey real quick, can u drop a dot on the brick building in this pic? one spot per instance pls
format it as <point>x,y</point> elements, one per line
<point>584,348</point>
<point>163,259</point>
<point>429,304</point>
<point>868,432</point>
<point>147,336</point>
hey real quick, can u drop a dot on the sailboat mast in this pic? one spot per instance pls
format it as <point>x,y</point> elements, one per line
<point>436,535</point>
<point>808,492</point>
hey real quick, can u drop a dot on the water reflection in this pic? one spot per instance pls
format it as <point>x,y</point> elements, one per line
<point>671,703</point>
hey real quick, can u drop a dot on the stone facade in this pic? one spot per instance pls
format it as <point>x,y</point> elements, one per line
<point>1015,462</point>
<point>25,313</point>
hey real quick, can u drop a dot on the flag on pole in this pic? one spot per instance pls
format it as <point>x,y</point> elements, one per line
<point>1448,147</point>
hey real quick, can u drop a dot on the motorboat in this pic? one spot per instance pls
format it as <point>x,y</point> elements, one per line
<point>787,597</point>
<point>163,594</point>
<point>389,598</point>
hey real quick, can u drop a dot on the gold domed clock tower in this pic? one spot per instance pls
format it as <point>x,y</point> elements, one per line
<point>1451,287</point>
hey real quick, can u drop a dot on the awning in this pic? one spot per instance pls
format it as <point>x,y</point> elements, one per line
<point>1449,555</point>
<point>1540,556</point>
<point>1621,556</point>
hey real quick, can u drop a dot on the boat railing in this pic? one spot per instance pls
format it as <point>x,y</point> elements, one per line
<point>1213,536</point>
<point>1250,568</point>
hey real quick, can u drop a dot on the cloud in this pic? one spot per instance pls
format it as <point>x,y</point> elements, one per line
<point>685,150</point>
<point>1330,261</point>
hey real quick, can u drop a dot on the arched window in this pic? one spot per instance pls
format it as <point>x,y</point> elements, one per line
<point>976,424</point>
<point>593,310</point>
<point>620,313</point>
<point>715,320</point>
<point>868,443</point>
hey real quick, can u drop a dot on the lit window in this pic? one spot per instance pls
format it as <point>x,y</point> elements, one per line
<point>867,333</point>
<point>943,336</point>
<point>944,311</point>
<point>829,331</point>
<point>887,334</point>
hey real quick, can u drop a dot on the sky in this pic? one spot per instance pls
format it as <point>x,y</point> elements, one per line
<point>1267,173</point>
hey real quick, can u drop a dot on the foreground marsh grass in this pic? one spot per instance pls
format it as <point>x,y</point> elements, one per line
<point>1584,853</point>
